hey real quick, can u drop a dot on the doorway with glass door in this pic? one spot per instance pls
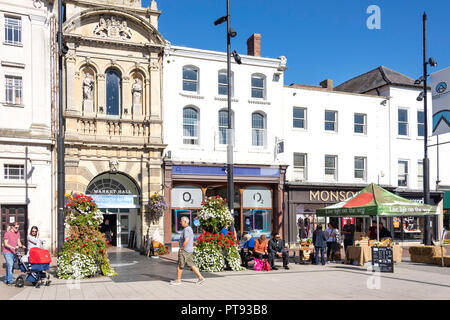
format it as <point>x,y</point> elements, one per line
<point>119,222</point>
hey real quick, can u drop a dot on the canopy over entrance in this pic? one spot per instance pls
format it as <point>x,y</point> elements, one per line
<point>376,201</point>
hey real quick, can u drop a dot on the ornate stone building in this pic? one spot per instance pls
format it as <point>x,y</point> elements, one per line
<point>113,123</point>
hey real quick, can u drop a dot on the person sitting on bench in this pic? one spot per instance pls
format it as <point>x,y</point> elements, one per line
<point>247,249</point>
<point>277,249</point>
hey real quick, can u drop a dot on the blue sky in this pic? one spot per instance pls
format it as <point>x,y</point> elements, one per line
<point>320,39</point>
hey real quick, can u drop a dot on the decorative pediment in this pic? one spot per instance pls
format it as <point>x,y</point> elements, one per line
<point>112,27</point>
<point>112,24</point>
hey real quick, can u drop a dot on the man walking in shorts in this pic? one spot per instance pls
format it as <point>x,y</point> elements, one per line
<point>185,253</point>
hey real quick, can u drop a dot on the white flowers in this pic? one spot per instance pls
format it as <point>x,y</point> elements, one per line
<point>79,266</point>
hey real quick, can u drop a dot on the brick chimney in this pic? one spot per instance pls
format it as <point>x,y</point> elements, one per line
<point>327,84</point>
<point>254,45</point>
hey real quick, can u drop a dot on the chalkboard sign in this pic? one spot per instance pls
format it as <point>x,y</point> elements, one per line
<point>131,239</point>
<point>382,259</point>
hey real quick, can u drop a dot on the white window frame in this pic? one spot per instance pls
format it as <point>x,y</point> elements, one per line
<point>262,132</point>
<point>197,82</point>
<point>420,123</point>
<point>364,169</point>
<point>419,176</point>
<point>328,121</point>
<point>364,124</point>
<point>14,27</point>
<point>263,89</point>
<point>196,138</point>
<point>299,170</point>
<point>335,177</point>
<point>403,122</point>
<point>7,168</point>
<point>224,71</point>
<point>14,84</point>
<point>224,127</point>
<point>406,175</point>
<point>304,118</point>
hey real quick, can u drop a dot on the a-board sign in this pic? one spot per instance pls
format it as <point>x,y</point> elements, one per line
<point>382,259</point>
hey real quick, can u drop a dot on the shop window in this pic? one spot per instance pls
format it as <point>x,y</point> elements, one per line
<point>257,211</point>
<point>186,202</point>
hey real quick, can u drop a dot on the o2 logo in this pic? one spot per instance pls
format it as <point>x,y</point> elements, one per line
<point>258,198</point>
<point>441,87</point>
<point>187,197</point>
<point>374,20</point>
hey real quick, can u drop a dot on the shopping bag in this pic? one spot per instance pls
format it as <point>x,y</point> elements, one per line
<point>258,265</point>
<point>266,265</point>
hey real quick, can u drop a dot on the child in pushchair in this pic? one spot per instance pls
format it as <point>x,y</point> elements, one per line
<point>33,272</point>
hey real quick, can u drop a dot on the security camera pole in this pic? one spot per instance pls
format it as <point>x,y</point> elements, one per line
<point>60,138</point>
<point>230,132</point>
<point>426,163</point>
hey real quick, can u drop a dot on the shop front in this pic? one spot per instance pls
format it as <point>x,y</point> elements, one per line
<point>411,228</point>
<point>117,197</point>
<point>258,199</point>
<point>304,199</point>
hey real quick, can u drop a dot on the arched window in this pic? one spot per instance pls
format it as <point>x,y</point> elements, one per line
<point>223,126</point>
<point>113,92</point>
<point>190,78</point>
<point>191,124</point>
<point>258,86</point>
<point>258,129</point>
<point>223,83</point>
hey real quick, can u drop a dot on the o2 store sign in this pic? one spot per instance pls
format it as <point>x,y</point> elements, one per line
<point>187,197</point>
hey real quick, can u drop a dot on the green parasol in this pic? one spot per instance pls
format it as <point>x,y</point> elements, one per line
<point>376,201</point>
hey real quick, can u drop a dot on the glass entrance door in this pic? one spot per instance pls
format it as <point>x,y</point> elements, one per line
<point>123,229</point>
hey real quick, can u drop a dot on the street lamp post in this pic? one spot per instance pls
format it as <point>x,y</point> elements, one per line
<point>230,132</point>
<point>62,50</point>
<point>426,162</point>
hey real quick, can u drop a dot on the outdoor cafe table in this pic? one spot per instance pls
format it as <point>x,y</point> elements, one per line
<point>363,254</point>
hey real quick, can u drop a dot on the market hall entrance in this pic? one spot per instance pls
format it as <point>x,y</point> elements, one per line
<point>118,198</point>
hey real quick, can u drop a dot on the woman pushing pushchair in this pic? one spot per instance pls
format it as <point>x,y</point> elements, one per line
<point>34,263</point>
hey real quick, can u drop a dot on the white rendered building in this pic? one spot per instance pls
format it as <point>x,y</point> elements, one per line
<point>27,75</point>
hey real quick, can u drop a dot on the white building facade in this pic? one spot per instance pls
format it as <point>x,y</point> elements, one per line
<point>195,122</point>
<point>27,75</point>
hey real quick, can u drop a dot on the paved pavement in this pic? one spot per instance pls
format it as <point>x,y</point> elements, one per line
<point>141,278</point>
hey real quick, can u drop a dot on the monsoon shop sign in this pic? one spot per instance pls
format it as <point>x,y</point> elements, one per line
<point>116,201</point>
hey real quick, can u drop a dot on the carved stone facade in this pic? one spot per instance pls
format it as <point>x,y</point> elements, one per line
<point>113,103</point>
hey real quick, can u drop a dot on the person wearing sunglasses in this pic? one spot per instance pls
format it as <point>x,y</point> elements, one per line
<point>11,243</point>
<point>32,241</point>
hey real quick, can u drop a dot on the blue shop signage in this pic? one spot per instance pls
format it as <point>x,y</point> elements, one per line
<point>221,171</point>
<point>116,201</point>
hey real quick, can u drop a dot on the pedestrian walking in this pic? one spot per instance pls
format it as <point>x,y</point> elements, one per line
<point>11,243</point>
<point>186,252</point>
<point>320,243</point>
<point>330,233</point>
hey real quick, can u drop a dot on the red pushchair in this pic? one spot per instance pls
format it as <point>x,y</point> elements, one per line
<point>34,270</point>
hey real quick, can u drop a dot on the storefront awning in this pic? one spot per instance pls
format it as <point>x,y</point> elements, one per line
<point>376,201</point>
<point>447,200</point>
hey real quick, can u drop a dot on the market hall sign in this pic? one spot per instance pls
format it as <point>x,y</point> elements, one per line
<point>330,196</point>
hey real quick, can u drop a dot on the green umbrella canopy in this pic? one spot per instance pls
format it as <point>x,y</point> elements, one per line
<point>376,201</point>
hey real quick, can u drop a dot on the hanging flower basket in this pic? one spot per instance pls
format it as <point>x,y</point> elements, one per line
<point>156,207</point>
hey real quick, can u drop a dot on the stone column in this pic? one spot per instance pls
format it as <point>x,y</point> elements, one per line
<point>40,76</point>
<point>127,98</point>
<point>101,98</point>
<point>73,107</point>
